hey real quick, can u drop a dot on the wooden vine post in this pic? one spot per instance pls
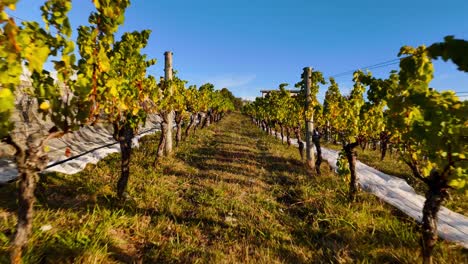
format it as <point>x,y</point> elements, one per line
<point>309,121</point>
<point>169,114</point>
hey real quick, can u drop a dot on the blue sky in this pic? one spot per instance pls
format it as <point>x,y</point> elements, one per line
<point>249,45</point>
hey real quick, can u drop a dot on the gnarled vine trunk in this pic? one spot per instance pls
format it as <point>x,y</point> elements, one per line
<point>26,201</point>
<point>288,135</point>
<point>162,142</point>
<point>30,161</point>
<point>207,120</point>
<point>178,121</point>
<point>193,118</point>
<point>124,136</point>
<point>282,133</point>
<point>384,138</point>
<point>351,156</point>
<point>212,118</point>
<point>435,196</point>
<point>316,140</point>
<point>300,143</point>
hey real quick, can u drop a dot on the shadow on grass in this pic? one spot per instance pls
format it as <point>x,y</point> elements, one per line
<point>216,177</point>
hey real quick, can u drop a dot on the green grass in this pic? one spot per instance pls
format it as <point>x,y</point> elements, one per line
<point>230,194</point>
<point>391,165</point>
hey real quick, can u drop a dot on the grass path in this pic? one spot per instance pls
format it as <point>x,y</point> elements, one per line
<point>230,194</point>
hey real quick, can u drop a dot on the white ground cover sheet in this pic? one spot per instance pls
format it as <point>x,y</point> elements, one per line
<point>396,191</point>
<point>86,146</point>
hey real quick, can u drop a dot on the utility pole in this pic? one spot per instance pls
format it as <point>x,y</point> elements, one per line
<point>169,115</point>
<point>309,123</point>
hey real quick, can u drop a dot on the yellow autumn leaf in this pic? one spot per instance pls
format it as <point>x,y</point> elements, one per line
<point>113,91</point>
<point>44,106</point>
<point>123,106</point>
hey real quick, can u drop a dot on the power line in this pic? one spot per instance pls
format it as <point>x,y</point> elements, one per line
<point>19,18</point>
<point>370,67</point>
